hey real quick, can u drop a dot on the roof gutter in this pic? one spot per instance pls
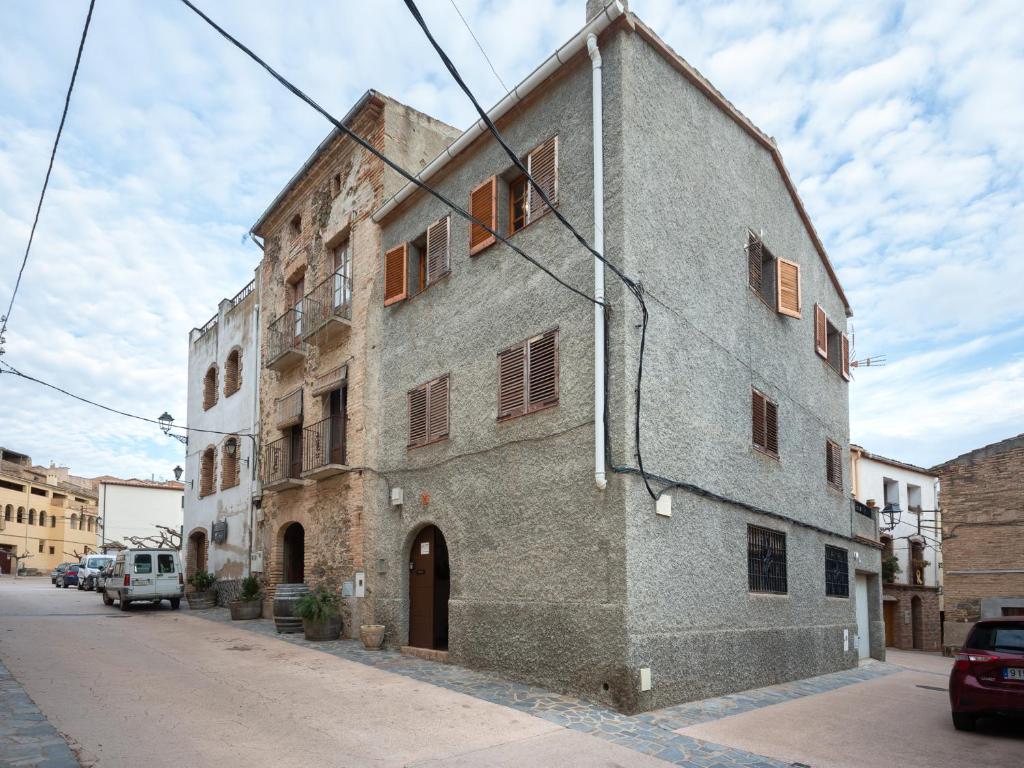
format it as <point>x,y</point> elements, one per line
<point>577,44</point>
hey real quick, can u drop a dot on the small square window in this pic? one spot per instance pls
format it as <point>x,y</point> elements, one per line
<point>837,572</point>
<point>766,560</point>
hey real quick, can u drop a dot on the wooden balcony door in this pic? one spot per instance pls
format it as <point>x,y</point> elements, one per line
<point>338,402</point>
<point>298,291</point>
<point>295,451</point>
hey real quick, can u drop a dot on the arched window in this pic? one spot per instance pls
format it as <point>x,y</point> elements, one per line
<point>233,373</point>
<point>229,464</point>
<point>74,522</point>
<point>88,524</point>
<point>8,511</point>
<point>31,517</point>
<point>53,521</point>
<point>208,471</point>
<point>21,515</point>
<point>42,518</point>
<point>210,388</point>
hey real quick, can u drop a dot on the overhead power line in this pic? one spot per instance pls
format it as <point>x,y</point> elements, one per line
<point>480,46</point>
<point>46,181</point>
<point>377,153</point>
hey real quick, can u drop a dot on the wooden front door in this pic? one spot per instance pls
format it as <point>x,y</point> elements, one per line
<point>889,613</point>
<point>6,566</point>
<point>429,589</point>
<point>337,426</point>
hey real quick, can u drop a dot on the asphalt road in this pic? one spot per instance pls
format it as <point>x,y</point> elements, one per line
<point>160,688</point>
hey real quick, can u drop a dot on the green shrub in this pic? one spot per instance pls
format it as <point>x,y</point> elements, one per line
<point>250,589</point>
<point>202,581</point>
<point>890,567</point>
<point>319,605</point>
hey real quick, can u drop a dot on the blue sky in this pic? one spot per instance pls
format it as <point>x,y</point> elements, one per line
<point>901,123</point>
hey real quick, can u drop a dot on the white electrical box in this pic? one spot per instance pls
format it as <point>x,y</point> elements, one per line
<point>397,497</point>
<point>256,563</point>
<point>645,679</point>
<point>663,506</point>
<point>360,584</point>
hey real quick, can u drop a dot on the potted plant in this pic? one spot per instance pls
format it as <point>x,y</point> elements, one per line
<point>890,567</point>
<point>372,636</point>
<point>203,595</point>
<point>248,605</point>
<point>321,619</point>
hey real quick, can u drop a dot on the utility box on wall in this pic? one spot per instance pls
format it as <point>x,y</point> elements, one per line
<point>256,562</point>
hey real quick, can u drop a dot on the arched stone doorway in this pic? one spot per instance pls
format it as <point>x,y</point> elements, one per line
<point>429,590</point>
<point>293,554</point>
<point>916,623</point>
<point>197,550</point>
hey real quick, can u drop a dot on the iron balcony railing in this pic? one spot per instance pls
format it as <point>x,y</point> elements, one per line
<point>277,464</point>
<point>285,334</point>
<point>330,299</point>
<point>324,444</point>
<point>242,294</point>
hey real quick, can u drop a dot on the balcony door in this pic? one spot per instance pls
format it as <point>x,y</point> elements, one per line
<point>298,291</point>
<point>337,426</point>
<point>342,276</point>
<point>295,451</point>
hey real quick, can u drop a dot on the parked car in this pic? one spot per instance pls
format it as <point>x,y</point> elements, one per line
<point>102,576</point>
<point>58,571</point>
<point>69,576</point>
<point>988,673</point>
<point>145,575</point>
<point>89,566</point>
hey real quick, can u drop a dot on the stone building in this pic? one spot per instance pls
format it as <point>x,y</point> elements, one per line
<point>506,541</point>
<point>220,465</point>
<point>982,536</point>
<point>47,515</point>
<point>319,273</point>
<point>912,546</point>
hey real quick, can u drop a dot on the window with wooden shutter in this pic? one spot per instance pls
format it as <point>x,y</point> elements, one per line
<point>820,331</point>
<point>765,424</point>
<point>207,471</point>
<point>755,253</point>
<point>395,275</point>
<point>761,270</point>
<point>428,412</point>
<point>232,373</point>
<point>788,299</point>
<point>845,361</point>
<point>438,249</point>
<point>210,388</point>
<point>528,376</point>
<point>542,163</point>
<point>483,205</point>
<point>834,465</point>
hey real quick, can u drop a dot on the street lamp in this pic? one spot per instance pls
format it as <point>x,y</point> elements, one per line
<point>177,472</point>
<point>231,449</point>
<point>166,422</point>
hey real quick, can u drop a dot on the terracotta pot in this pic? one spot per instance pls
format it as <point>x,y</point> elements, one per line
<point>328,629</point>
<point>242,610</point>
<point>372,636</point>
<point>200,600</point>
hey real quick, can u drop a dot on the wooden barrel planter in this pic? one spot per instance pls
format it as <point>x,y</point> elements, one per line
<point>328,629</point>
<point>285,597</point>
<point>199,600</point>
<point>242,610</point>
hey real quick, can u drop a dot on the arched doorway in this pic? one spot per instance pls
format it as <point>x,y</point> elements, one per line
<point>429,589</point>
<point>197,548</point>
<point>293,554</point>
<point>916,619</point>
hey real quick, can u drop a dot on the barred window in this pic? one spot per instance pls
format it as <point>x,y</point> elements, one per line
<point>837,572</point>
<point>766,560</point>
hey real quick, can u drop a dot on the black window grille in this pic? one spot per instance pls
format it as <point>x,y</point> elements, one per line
<point>837,572</point>
<point>766,560</point>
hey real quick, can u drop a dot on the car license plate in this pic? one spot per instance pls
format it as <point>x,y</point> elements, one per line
<point>142,582</point>
<point>1013,673</point>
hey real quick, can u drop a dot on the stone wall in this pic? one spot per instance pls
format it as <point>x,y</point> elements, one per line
<point>902,596</point>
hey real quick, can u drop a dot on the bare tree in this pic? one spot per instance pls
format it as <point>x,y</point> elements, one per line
<point>164,538</point>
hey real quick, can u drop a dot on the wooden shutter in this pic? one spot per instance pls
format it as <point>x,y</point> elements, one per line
<point>512,381</point>
<point>771,427</point>
<point>845,359</point>
<point>483,205</point>
<point>834,464</point>
<point>542,163</point>
<point>438,241</point>
<point>418,415</point>
<point>754,262</point>
<point>788,287</point>
<point>396,274</point>
<point>820,331</point>
<point>437,409</point>
<point>542,371</point>
<point>758,419</point>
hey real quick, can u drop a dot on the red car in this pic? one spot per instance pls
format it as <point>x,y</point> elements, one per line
<point>988,673</point>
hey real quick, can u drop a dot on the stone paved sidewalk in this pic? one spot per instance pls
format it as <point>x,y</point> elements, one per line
<point>26,737</point>
<point>652,733</point>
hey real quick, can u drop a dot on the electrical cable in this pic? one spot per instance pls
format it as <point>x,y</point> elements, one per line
<point>377,153</point>
<point>630,284</point>
<point>49,170</point>
<point>480,46</point>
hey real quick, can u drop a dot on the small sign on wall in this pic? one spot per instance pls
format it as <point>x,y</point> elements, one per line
<point>220,532</point>
<point>424,547</point>
<point>846,640</point>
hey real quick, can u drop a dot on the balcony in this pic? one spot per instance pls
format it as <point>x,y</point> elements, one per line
<point>285,347</point>
<point>327,309</point>
<point>323,449</point>
<point>279,472</point>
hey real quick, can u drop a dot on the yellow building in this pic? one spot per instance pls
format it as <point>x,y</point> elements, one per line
<point>47,515</point>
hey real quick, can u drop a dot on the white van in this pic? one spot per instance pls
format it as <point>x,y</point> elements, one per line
<point>89,566</point>
<point>145,575</point>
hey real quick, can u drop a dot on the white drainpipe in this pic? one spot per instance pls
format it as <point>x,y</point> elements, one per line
<point>599,362</point>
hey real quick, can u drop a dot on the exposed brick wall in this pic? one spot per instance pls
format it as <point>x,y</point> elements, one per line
<point>929,628</point>
<point>982,527</point>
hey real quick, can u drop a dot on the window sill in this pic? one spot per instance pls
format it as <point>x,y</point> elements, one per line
<point>424,445</point>
<point>766,453</point>
<point>426,288</point>
<point>837,597</point>
<point>514,416</point>
<point>834,489</point>
<point>530,223</point>
<point>768,594</point>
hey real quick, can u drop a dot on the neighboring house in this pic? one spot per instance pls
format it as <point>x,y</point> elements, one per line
<point>319,278</point>
<point>497,541</point>
<point>47,515</point>
<point>134,508</point>
<point>982,536</point>
<point>220,465</point>
<point>912,546</point>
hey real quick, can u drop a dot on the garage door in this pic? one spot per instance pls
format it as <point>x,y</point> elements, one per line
<point>863,628</point>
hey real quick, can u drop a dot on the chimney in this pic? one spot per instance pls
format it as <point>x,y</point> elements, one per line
<point>594,7</point>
